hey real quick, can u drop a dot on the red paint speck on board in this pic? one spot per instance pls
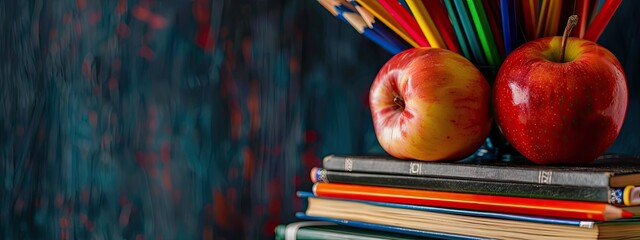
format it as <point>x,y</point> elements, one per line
<point>93,118</point>
<point>201,11</point>
<point>77,28</point>
<point>116,63</point>
<point>66,18</point>
<point>81,4</point>
<point>83,218</point>
<point>90,225</point>
<point>247,50</point>
<point>19,205</point>
<point>123,30</point>
<point>294,65</point>
<point>207,233</point>
<point>156,21</point>
<point>86,68</point>
<point>123,200</point>
<point>59,200</point>
<point>310,136</point>
<point>94,17</point>
<point>146,53</point>
<point>165,152</point>
<point>20,131</point>
<point>113,83</point>
<point>166,178</point>
<point>141,13</point>
<point>85,194</point>
<point>233,173</point>
<point>64,222</point>
<point>247,170</point>
<point>121,7</point>
<point>205,38</point>
<point>221,210</point>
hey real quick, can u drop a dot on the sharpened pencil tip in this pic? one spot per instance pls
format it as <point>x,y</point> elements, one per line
<point>627,214</point>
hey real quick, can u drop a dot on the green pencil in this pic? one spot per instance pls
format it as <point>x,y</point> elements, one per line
<point>484,31</point>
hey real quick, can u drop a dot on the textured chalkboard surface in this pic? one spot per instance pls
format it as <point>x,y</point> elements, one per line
<point>199,119</point>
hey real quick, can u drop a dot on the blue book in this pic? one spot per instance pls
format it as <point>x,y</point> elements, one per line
<point>386,228</point>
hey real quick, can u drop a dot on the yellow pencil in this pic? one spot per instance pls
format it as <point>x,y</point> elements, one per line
<point>426,24</point>
<point>542,18</point>
<point>378,11</point>
<point>553,19</point>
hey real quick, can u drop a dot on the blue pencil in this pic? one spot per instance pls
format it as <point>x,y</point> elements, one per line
<point>458,29</point>
<point>358,23</point>
<point>507,12</point>
<point>380,28</point>
<point>392,38</point>
<point>470,31</point>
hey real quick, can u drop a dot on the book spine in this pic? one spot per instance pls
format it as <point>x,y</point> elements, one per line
<point>593,194</point>
<point>465,171</point>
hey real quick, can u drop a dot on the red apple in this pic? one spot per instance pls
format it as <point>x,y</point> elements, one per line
<point>560,111</point>
<point>430,104</point>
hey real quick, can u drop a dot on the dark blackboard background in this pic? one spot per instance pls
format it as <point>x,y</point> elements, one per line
<point>189,119</point>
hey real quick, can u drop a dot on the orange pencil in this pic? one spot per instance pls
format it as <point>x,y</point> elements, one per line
<point>406,21</point>
<point>553,18</point>
<point>503,204</point>
<point>542,18</point>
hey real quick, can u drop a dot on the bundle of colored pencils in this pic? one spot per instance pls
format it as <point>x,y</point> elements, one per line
<point>485,32</point>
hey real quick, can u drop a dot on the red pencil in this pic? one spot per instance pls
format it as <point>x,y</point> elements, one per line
<point>530,14</point>
<point>515,205</point>
<point>406,21</point>
<point>582,10</point>
<point>443,23</point>
<point>601,20</point>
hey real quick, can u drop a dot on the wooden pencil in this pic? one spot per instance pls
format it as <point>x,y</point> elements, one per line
<point>378,12</point>
<point>379,28</point>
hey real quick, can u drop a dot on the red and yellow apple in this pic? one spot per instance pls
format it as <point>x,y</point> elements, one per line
<point>430,104</point>
<point>560,111</point>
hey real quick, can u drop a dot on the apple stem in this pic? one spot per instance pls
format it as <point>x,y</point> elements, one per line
<point>398,101</point>
<point>573,20</point>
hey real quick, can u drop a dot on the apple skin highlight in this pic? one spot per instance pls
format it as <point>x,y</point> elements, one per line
<point>555,111</point>
<point>430,104</point>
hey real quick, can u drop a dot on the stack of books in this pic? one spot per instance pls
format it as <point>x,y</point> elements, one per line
<point>385,198</point>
